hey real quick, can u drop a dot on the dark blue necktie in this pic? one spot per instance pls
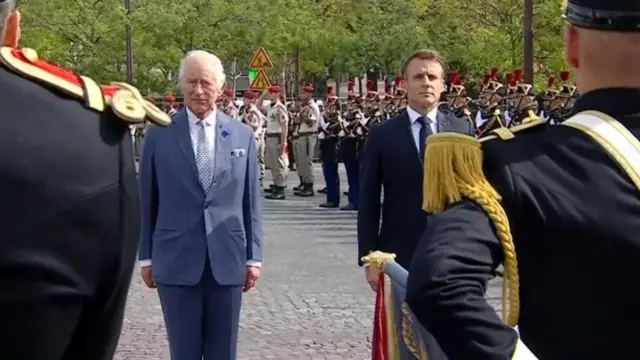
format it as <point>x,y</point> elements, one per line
<point>425,131</point>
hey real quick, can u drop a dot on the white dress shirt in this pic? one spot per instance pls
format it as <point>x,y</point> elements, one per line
<point>210,132</point>
<point>415,125</point>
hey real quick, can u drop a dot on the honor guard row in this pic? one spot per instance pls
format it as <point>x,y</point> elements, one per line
<point>69,209</point>
<point>555,205</point>
<point>343,132</point>
<point>509,101</point>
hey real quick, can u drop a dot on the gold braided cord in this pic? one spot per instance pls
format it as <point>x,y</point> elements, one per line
<point>377,259</point>
<point>453,171</point>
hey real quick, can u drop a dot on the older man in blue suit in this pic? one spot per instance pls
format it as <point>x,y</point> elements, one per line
<point>201,242</point>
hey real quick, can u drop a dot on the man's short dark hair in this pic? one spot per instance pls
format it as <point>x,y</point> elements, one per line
<point>425,54</point>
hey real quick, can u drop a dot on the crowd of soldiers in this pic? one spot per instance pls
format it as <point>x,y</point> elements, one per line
<point>289,133</point>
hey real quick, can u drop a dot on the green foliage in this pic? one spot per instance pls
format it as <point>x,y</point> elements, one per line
<point>334,38</point>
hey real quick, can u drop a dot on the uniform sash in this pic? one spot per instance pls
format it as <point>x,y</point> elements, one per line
<point>619,143</point>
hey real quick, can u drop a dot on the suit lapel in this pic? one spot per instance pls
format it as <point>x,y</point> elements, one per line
<point>223,138</point>
<point>182,136</point>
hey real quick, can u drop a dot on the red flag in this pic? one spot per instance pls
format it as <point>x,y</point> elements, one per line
<point>379,341</point>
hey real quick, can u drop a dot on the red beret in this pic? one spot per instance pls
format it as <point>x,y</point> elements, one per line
<point>228,92</point>
<point>249,95</point>
<point>308,89</point>
<point>169,98</point>
<point>274,89</point>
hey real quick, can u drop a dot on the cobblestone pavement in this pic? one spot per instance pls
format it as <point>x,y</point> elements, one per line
<point>311,302</point>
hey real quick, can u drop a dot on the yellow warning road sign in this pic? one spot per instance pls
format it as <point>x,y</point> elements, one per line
<point>260,82</point>
<point>260,60</point>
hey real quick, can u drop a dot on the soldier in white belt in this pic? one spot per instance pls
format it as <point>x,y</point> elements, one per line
<point>253,117</point>
<point>276,142</point>
<point>305,142</point>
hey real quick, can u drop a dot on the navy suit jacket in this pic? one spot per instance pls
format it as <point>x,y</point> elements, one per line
<point>181,223</point>
<point>391,161</point>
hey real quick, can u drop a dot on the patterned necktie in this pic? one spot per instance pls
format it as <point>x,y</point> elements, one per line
<point>425,131</point>
<point>203,157</point>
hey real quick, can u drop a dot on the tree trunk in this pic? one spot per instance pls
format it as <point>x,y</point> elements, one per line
<point>296,71</point>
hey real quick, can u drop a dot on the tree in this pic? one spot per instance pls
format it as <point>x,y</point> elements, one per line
<point>323,38</point>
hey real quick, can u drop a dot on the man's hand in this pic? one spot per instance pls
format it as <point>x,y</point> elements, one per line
<point>282,147</point>
<point>372,274</point>
<point>145,273</point>
<point>253,273</point>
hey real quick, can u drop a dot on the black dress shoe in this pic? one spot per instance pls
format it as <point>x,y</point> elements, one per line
<point>298,187</point>
<point>322,191</point>
<point>329,205</point>
<point>349,207</point>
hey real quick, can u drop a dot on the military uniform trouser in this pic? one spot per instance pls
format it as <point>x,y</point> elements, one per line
<point>304,146</point>
<point>277,160</point>
<point>329,160</point>
<point>349,152</point>
<point>260,148</point>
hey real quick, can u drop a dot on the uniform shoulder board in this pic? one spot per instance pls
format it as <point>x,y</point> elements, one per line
<point>504,133</point>
<point>125,100</point>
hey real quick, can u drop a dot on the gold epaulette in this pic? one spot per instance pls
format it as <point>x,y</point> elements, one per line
<point>125,100</point>
<point>504,133</point>
<point>453,171</point>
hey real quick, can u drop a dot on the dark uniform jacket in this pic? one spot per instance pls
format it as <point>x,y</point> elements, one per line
<point>575,219</point>
<point>68,213</point>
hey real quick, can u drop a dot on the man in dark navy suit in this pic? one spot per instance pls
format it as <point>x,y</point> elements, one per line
<point>392,160</point>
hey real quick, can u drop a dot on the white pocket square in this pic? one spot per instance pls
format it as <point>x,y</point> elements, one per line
<point>237,153</point>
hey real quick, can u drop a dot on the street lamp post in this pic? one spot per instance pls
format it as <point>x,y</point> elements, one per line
<point>129,47</point>
<point>528,41</point>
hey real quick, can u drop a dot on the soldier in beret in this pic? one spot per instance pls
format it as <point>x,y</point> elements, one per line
<point>228,107</point>
<point>169,104</point>
<point>255,119</point>
<point>276,142</point>
<point>305,143</point>
<point>557,206</point>
<point>69,212</point>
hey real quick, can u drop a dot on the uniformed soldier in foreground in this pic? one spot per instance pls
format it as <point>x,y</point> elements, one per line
<point>558,208</point>
<point>69,211</point>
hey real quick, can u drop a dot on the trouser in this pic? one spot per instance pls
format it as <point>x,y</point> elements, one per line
<point>260,147</point>
<point>349,149</point>
<point>278,162</point>
<point>329,160</point>
<point>304,146</point>
<point>64,286</point>
<point>202,320</point>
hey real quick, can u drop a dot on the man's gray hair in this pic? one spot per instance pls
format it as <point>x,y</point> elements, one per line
<point>5,10</point>
<point>206,58</point>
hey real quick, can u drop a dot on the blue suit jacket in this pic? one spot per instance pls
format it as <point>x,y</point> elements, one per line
<point>391,160</point>
<point>181,223</point>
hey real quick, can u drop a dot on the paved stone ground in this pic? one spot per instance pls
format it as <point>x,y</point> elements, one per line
<point>311,302</point>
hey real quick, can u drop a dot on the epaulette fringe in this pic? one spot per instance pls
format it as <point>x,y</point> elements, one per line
<point>453,171</point>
